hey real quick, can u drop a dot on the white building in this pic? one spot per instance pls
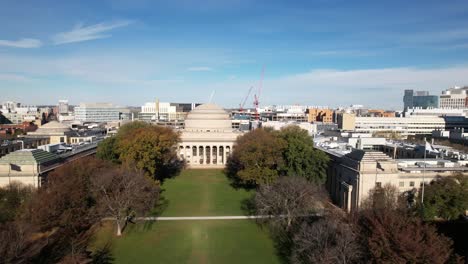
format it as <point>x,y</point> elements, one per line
<point>165,111</point>
<point>97,112</point>
<point>62,107</point>
<point>456,97</point>
<point>208,137</point>
<point>9,106</point>
<point>277,125</point>
<point>436,112</point>
<point>414,125</point>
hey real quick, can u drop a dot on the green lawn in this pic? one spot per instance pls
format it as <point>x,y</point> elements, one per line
<point>202,193</point>
<point>194,193</point>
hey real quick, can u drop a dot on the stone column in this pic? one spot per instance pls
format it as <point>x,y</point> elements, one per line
<point>224,154</point>
<point>211,154</point>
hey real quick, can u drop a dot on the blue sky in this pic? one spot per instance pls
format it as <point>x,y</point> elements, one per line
<point>324,52</point>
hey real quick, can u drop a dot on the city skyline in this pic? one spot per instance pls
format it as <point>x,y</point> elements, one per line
<point>333,53</point>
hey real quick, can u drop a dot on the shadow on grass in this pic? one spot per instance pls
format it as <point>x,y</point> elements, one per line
<point>248,205</point>
<point>170,170</point>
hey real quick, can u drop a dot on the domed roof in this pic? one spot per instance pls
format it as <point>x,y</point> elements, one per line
<point>54,126</point>
<point>208,117</point>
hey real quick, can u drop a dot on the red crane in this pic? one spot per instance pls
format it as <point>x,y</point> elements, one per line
<point>256,102</point>
<point>241,105</point>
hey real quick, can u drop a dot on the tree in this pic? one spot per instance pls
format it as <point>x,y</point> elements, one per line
<point>65,209</point>
<point>12,198</point>
<point>446,197</point>
<point>151,149</point>
<point>124,193</point>
<point>327,240</point>
<point>392,235</point>
<point>130,129</point>
<point>107,150</point>
<point>300,156</point>
<point>256,158</point>
<point>288,200</point>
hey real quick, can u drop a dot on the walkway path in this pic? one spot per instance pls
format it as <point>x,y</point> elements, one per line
<point>189,218</point>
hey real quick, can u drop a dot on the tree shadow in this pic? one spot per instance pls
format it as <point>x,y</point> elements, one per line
<point>103,255</point>
<point>161,205</point>
<point>248,205</point>
<point>171,170</point>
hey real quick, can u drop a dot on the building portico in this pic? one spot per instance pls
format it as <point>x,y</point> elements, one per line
<point>208,137</point>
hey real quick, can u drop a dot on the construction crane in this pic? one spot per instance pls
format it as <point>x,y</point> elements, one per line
<point>256,102</point>
<point>241,105</point>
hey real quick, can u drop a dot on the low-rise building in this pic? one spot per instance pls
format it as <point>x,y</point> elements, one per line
<point>25,166</point>
<point>354,172</point>
<point>55,131</point>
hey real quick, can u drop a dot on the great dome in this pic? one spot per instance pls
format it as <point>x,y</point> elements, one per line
<point>208,118</point>
<point>53,127</point>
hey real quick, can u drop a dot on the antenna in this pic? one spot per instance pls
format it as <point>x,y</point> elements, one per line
<point>211,96</point>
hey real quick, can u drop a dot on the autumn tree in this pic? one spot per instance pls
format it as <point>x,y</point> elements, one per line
<point>12,198</point>
<point>152,149</point>
<point>256,158</point>
<point>107,150</point>
<point>288,200</point>
<point>130,129</point>
<point>300,156</point>
<point>65,209</point>
<point>392,235</point>
<point>446,198</point>
<point>124,193</point>
<point>329,240</point>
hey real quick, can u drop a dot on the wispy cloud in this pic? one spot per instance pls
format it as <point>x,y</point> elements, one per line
<point>84,33</point>
<point>25,43</point>
<point>200,69</point>
<point>13,77</point>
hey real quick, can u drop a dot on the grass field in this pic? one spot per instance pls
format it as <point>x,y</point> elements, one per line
<point>194,193</point>
<point>202,193</point>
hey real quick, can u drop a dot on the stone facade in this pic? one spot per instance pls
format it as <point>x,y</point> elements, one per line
<point>208,137</point>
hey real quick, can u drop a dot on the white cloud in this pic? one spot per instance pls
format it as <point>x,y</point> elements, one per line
<point>13,77</point>
<point>25,43</point>
<point>200,69</point>
<point>84,33</point>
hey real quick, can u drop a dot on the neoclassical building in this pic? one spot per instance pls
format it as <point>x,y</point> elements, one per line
<point>208,137</point>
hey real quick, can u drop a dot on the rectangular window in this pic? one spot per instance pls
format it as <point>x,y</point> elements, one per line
<point>411,184</point>
<point>378,184</point>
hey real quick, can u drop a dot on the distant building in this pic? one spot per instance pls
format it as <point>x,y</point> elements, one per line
<point>456,97</point>
<point>414,125</point>
<point>55,131</point>
<point>62,107</point>
<point>421,99</point>
<point>165,111</point>
<point>436,112</point>
<point>9,106</point>
<point>380,113</point>
<point>277,125</point>
<point>346,121</point>
<point>323,115</point>
<point>97,112</point>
